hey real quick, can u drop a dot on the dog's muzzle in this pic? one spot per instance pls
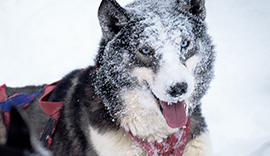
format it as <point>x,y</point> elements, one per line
<point>173,112</point>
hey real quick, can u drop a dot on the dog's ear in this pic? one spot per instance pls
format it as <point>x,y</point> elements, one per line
<point>112,18</point>
<point>18,133</point>
<point>196,7</point>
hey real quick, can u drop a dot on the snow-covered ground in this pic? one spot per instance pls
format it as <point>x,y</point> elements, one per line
<point>40,41</point>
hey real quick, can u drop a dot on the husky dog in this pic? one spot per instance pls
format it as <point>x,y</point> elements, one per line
<point>19,141</point>
<point>154,65</point>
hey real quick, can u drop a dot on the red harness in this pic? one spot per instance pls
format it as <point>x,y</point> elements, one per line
<point>174,147</point>
<point>50,108</point>
<point>6,116</point>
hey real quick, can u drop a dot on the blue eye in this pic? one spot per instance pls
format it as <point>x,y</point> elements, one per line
<point>184,44</point>
<point>146,51</point>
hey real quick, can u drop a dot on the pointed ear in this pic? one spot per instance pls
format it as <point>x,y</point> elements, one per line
<point>112,18</point>
<point>196,7</point>
<point>19,132</point>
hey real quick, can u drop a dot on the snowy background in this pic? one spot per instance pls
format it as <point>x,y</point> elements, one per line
<point>42,40</point>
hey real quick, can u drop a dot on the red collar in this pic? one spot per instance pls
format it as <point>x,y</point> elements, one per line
<point>174,147</point>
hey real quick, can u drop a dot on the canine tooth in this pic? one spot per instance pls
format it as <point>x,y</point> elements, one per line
<point>151,139</point>
<point>159,140</point>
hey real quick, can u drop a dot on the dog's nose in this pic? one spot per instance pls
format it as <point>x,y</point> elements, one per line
<point>178,89</point>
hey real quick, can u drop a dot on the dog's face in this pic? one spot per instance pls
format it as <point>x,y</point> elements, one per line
<point>149,63</point>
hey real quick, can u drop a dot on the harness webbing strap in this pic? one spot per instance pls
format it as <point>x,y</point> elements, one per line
<point>47,133</point>
<point>22,100</point>
<point>3,95</point>
<point>50,108</point>
<point>18,100</point>
<point>53,110</point>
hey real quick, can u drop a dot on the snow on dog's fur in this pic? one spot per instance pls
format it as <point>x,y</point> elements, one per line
<point>154,65</point>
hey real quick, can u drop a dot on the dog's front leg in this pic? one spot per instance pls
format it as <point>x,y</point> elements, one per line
<point>199,146</point>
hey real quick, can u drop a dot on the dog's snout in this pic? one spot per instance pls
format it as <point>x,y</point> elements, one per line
<point>178,89</point>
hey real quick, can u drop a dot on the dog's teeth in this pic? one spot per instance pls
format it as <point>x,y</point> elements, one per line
<point>151,139</point>
<point>159,140</point>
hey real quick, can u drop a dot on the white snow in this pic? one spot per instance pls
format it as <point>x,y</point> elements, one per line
<point>40,41</point>
<point>238,103</point>
<point>262,151</point>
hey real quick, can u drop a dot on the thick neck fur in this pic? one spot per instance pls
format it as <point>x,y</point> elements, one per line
<point>82,108</point>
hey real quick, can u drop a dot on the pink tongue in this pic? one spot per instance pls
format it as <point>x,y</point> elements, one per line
<point>174,114</point>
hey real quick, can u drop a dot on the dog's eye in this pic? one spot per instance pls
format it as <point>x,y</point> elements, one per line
<point>184,44</point>
<point>146,51</point>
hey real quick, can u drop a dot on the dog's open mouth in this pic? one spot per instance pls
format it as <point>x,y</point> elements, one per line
<point>174,113</point>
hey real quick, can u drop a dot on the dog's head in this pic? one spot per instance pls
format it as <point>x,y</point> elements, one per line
<point>155,63</point>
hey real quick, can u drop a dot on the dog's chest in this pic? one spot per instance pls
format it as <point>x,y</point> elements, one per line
<point>114,143</point>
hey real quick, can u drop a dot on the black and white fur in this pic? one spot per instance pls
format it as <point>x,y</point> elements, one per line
<point>150,51</point>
